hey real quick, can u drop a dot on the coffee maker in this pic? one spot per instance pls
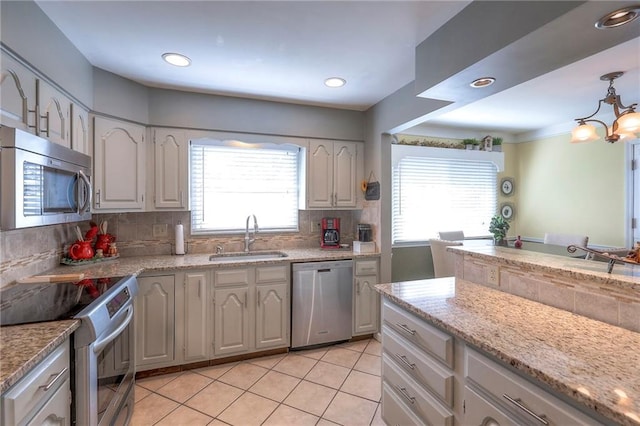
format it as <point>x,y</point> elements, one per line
<point>330,237</point>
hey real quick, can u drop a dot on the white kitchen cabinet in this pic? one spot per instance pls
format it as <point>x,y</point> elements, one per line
<point>119,168</point>
<point>17,94</point>
<point>54,109</point>
<point>332,176</point>
<point>79,127</point>
<point>43,395</point>
<point>507,395</point>
<point>196,329</point>
<point>418,368</point>
<point>252,307</point>
<point>272,319</point>
<point>154,321</point>
<point>170,169</point>
<point>231,320</point>
<point>366,301</point>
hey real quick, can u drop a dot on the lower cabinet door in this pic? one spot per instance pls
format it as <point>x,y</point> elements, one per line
<point>196,328</point>
<point>366,305</point>
<point>272,316</point>
<point>231,321</point>
<point>155,319</point>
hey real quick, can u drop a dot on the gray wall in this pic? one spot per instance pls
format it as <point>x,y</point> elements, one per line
<point>411,263</point>
<point>120,97</point>
<point>28,32</point>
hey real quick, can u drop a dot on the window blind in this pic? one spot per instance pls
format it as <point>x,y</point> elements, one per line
<point>229,183</point>
<point>442,194</point>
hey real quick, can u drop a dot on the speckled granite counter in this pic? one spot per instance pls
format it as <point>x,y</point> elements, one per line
<point>139,264</point>
<point>593,363</point>
<point>24,346</point>
<point>625,276</point>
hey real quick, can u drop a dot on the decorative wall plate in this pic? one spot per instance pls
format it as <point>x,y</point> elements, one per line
<point>507,211</point>
<point>507,186</point>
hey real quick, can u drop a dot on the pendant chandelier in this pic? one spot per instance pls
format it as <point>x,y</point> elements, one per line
<point>624,127</point>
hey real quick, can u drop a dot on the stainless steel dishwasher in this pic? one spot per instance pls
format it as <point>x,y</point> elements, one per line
<point>321,305</point>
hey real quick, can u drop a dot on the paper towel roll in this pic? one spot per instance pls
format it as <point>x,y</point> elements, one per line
<point>179,239</point>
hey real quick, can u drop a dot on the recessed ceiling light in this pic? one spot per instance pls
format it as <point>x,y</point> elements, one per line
<point>335,82</point>
<point>176,59</point>
<point>482,82</point>
<point>618,17</point>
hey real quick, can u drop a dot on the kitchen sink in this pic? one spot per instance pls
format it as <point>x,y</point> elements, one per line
<point>252,255</point>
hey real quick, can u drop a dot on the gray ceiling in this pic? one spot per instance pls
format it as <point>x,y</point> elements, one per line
<point>547,56</point>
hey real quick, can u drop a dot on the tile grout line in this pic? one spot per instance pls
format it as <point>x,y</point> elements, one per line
<point>279,403</point>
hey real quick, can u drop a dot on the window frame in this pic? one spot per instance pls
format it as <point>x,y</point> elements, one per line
<point>252,142</point>
<point>399,152</point>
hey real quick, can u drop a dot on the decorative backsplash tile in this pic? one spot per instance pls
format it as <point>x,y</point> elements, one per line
<point>594,300</point>
<point>30,251</point>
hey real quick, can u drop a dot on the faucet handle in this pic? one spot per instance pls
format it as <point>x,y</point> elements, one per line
<point>219,249</point>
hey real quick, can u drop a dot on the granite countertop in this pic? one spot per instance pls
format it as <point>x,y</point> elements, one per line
<point>35,341</point>
<point>139,264</point>
<point>591,362</point>
<point>24,346</point>
<point>626,276</point>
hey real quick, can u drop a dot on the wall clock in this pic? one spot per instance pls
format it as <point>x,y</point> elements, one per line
<point>507,211</point>
<point>506,186</point>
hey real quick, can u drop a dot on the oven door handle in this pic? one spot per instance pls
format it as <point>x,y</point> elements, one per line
<point>99,345</point>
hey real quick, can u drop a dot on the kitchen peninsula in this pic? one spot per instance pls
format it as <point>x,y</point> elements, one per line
<point>552,346</point>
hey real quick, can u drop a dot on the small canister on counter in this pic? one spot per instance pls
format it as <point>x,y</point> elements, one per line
<point>364,232</point>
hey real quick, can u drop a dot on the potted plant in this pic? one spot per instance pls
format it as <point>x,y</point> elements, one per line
<point>499,227</point>
<point>470,143</point>
<point>497,144</point>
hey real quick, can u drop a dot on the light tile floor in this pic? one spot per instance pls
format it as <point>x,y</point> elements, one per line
<point>338,384</point>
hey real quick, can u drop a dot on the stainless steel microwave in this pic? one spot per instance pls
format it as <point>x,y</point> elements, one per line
<point>43,183</point>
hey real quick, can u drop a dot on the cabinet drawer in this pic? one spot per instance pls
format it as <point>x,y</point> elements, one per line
<point>419,365</point>
<point>394,412</point>
<point>224,277</point>
<point>414,329</point>
<point>425,406</point>
<point>31,390</point>
<point>271,274</point>
<point>502,384</point>
<point>366,267</point>
<point>479,411</point>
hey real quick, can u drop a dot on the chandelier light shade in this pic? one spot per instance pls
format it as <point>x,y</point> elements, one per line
<point>625,126</point>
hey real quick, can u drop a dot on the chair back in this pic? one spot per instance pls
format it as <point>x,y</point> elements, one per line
<point>451,235</point>
<point>566,239</point>
<point>443,261</point>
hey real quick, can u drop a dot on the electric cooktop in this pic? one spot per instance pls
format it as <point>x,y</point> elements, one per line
<point>41,302</point>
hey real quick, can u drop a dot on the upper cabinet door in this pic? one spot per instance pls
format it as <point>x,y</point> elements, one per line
<point>53,107</point>
<point>332,177</point>
<point>345,172</point>
<point>170,169</point>
<point>320,175</point>
<point>79,129</point>
<point>118,165</point>
<point>17,94</point>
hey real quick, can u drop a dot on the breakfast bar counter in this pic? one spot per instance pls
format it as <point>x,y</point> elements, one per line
<point>590,363</point>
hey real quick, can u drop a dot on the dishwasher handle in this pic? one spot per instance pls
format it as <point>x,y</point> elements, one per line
<point>324,270</point>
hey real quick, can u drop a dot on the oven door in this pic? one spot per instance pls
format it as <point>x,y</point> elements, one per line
<point>105,372</point>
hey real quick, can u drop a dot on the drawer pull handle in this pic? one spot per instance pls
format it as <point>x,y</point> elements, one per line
<point>405,361</point>
<point>542,419</point>
<point>403,392</point>
<point>52,381</point>
<point>407,329</point>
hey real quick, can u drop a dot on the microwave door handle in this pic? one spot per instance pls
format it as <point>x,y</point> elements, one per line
<point>84,180</point>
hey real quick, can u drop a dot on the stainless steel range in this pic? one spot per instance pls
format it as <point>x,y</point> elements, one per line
<point>104,364</point>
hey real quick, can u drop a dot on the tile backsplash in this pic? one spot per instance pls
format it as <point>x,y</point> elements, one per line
<point>31,251</point>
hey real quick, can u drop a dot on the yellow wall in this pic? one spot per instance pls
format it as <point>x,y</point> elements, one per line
<point>568,188</point>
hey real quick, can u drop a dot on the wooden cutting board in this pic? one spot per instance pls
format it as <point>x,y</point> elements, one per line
<point>52,278</point>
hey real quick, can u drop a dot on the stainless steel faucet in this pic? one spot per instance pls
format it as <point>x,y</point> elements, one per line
<point>248,241</point>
